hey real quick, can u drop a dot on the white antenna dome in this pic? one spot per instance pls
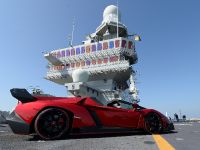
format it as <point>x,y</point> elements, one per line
<point>110,14</point>
<point>80,75</point>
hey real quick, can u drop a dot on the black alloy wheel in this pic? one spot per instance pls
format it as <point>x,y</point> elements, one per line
<point>152,123</point>
<point>52,123</point>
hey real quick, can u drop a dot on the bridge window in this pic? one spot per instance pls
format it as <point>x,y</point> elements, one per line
<point>94,62</point>
<point>72,51</point>
<point>67,52</point>
<point>63,54</point>
<point>105,60</point>
<point>88,49</point>
<point>124,43</point>
<point>87,62</point>
<point>116,43</point>
<point>99,46</point>
<point>130,45</point>
<point>99,61</point>
<point>111,44</point>
<point>82,63</point>
<point>78,64</point>
<point>77,51</point>
<point>94,48</point>
<point>72,65</point>
<point>82,50</point>
<point>105,45</point>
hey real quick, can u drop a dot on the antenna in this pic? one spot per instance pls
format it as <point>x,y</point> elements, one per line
<point>117,20</point>
<point>72,37</point>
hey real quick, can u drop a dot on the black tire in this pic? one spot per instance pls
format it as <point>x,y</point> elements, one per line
<point>52,123</point>
<point>153,123</point>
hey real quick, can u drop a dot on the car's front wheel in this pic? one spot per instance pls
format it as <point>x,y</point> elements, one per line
<point>52,123</point>
<point>153,123</point>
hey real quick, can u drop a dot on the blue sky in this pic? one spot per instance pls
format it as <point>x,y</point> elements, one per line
<point>168,68</point>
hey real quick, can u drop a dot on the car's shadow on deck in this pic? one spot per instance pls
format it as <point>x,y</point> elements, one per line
<point>103,135</point>
<point>99,135</point>
<point>88,135</point>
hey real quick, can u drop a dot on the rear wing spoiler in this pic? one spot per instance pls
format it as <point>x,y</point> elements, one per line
<point>22,95</point>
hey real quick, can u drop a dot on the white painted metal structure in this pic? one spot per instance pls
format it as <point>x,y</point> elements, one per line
<point>101,67</point>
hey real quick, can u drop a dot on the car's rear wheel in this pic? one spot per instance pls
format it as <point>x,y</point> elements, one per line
<point>52,123</point>
<point>153,123</point>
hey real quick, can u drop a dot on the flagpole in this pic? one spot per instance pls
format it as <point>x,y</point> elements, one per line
<point>73,25</point>
<point>117,20</point>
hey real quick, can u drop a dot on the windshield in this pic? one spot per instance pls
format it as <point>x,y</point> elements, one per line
<point>125,105</point>
<point>128,105</point>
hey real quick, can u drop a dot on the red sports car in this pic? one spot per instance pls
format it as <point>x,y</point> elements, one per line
<point>54,117</point>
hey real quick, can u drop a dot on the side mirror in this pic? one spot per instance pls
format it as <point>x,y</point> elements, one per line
<point>135,105</point>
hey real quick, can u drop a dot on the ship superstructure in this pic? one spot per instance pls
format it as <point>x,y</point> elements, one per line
<point>100,67</point>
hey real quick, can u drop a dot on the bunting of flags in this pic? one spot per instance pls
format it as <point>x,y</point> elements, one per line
<point>91,48</point>
<point>84,51</point>
<point>83,63</point>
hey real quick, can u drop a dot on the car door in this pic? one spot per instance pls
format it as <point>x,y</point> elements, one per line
<point>115,117</point>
